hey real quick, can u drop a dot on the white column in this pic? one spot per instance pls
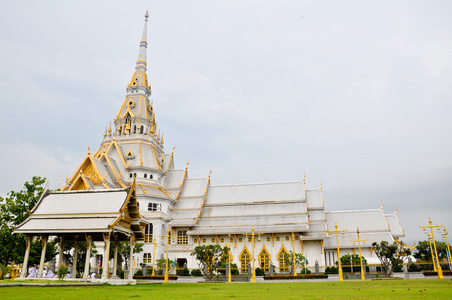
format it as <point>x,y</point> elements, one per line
<point>115,257</point>
<point>132,243</point>
<point>43,255</point>
<point>74,262</point>
<point>106,256</point>
<point>60,258</point>
<point>89,239</point>
<point>28,239</point>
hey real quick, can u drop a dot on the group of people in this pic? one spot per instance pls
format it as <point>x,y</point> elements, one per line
<point>33,273</point>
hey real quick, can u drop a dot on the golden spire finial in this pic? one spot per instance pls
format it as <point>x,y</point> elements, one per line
<point>382,202</point>
<point>105,132</point>
<point>146,16</point>
<point>152,129</point>
<point>304,178</point>
<point>395,209</point>
<point>158,137</point>
<point>67,179</point>
<point>162,138</point>
<point>321,184</point>
<point>109,129</point>
<point>89,150</point>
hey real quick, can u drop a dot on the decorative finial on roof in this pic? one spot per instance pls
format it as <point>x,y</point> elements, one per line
<point>304,178</point>
<point>162,138</point>
<point>146,16</point>
<point>105,132</point>
<point>382,202</point>
<point>109,129</point>
<point>67,179</point>
<point>395,209</point>
<point>89,150</point>
<point>321,184</point>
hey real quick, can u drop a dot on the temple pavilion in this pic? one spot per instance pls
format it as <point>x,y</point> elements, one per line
<point>130,188</point>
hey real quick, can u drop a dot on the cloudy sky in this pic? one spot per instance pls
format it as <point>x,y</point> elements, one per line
<point>357,94</point>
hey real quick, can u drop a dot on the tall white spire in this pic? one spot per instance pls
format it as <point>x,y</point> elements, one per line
<point>141,61</point>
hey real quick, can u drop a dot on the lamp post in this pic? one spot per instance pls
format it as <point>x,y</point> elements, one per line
<point>167,236</point>
<point>360,257</point>
<point>294,259</point>
<point>253,276</point>
<point>338,251</point>
<point>439,270</point>
<point>153,262</point>
<point>431,251</point>
<point>448,247</point>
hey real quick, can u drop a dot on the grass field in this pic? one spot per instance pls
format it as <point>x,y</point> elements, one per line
<point>374,289</point>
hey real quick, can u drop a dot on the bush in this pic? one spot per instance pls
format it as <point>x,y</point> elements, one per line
<point>413,268</point>
<point>398,269</point>
<point>139,273</point>
<point>196,272</point>
<point>121,273</point>
<point>305,271</point>
<point>62,271</point>
<point>185,272</point>
<point>234,269</point>
<point>301,276</point>
<point>331,270</point>
<point>259,272</point>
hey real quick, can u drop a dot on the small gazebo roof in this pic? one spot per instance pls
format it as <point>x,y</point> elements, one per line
<point>91,212</point>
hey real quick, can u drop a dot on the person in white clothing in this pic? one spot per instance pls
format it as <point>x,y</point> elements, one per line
<point>32,272</point>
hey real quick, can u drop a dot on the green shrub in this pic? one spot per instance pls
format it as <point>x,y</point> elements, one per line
<point>413,268</point>
<point>259,272</point>
<point>139,273</point>
<point>331,270</point>
<point>62,271</point>
<point>234,269</point>
<point>185,272</point>
<point>196,272</point>
<point>121,273</point>
<point>398,269</point>
<point>305,271</point>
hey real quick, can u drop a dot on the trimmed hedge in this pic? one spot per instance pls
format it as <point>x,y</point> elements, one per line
<point>157,277</point>
<point>433,273</point>
<point>301,276</point>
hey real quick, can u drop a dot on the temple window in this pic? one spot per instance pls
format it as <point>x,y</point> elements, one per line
<point>148,233</point>
<point>145,175</point>
<point>240,240</point>
<point>204,241</point>
<point>130,175</point>
<point>134,128</point>
<point>268,239</point>
<point>283,258</point>
<point>249,239</point>
<point>213,240</point>
<point>195,241</point>
<point>265,260</point>
<point>277,238</point>
<point>222,240</point>
<point>141,129</point>
<point>244,259</point>
<point>147,258</point>
<point>153,206</point>
<point>182,237</point>
<point>150,176</point>
<point>231,240</point>
<point>287,238</point>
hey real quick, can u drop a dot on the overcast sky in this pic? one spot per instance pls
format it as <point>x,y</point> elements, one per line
<point>357,94</point>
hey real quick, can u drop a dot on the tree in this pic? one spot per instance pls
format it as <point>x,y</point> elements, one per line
<point>389,255</point>
<point>14,210</point>
<point>68,253</point>
<point>345,261</point>
<point>209,256</point>
<point>124,251</point>
<point>423,252</point>
<point>300,260</point>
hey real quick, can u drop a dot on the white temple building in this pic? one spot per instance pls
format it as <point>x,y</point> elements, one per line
<point>288,215</point>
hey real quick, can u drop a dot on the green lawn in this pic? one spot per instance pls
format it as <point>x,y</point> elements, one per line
<point>372,289</point>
